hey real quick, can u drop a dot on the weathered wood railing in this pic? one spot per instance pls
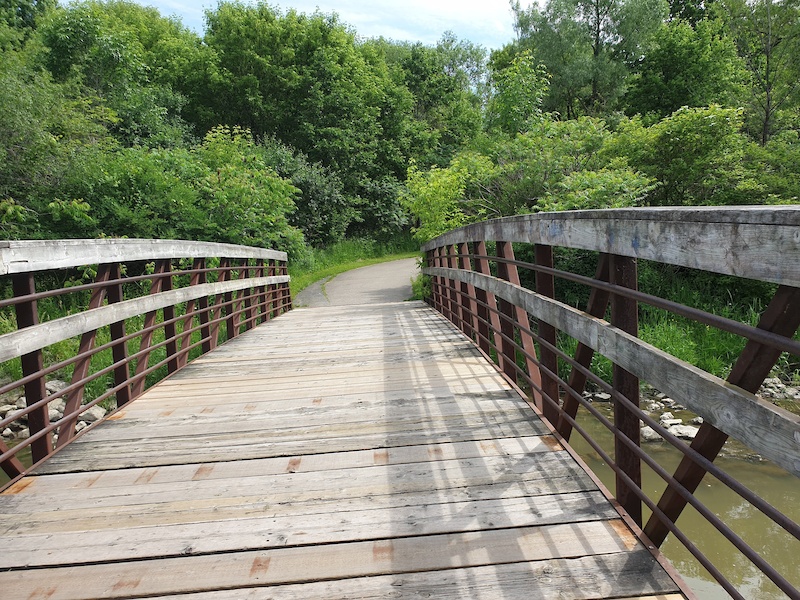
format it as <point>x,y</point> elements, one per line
<point>152,305</point>
<point>525,329</point>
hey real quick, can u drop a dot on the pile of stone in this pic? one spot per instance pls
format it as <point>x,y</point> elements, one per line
<point>774,388</point>
<point>18,429</point>
<point>661,408</point>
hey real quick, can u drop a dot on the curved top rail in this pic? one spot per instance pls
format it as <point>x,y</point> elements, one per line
<point>27,256</point>
<point>756,242</point>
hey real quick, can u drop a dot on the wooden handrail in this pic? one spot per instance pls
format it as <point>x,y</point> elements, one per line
<point>750,242</point>
<point>183,305</point>
<point>757,243</point>
<point>25,256</point>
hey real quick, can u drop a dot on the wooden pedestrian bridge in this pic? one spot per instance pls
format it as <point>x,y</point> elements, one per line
<point>403,450</point>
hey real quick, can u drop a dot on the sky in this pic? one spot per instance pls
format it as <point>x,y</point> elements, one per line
<point>488,23</point>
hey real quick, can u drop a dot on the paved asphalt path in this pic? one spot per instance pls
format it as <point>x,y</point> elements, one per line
<point>376,284</point>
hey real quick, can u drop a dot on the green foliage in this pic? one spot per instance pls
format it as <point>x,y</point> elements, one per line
<point>695,155</point>
<point>605,188</point>
<point>19,19</point>
<point>767,35</point>
<point>558,165</point>
<point>45,134</point>
<point>247,202</point>
<point>587,46</point>
<point>101,46</point>
<point>421,287</point>
<point>323,210</point>
<point>305,80</point>
<point>444,81</point>
<point>519,90</point>
<point>686,65</point>
<point>223,189</point>
<point>434,198</point>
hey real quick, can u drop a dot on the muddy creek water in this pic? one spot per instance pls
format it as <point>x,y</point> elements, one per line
<point>773,484</point>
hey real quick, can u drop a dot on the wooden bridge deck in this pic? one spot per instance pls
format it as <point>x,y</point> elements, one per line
<point>358,452</point>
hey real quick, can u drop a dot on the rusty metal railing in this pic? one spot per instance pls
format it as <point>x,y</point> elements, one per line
<point>136,310</point>
<point>476,283</point>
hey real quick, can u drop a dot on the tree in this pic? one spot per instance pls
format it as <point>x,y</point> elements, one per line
<point>516,103</point>
<point>587,46</point>
<point>440,81</point>
<point>323,210</point>
<point>97,45</point>
<point>46,133</point>
<point>696,155</point>
<point>690,11</point>
<point>19,18</point>
<point>767,35</point>
<point>687,66</point>
<point>304,80</point>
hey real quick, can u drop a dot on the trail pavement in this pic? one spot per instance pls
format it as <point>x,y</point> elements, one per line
<point>375,284</point>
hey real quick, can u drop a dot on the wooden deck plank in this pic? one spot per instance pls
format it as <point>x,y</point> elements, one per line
<point>297,442</point>
<point>360,452</point>
<point>376,480</point>
<point>325,462</point>
<point>619,576</point>
<point>358,559</point>
<point>362,417</point>
<point>120,543</point>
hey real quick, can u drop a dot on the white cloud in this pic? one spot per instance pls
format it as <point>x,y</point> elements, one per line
<point>485,22</point>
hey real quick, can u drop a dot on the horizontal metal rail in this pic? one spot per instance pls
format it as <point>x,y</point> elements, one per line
<point>176,300</point>
<point>524,330</point>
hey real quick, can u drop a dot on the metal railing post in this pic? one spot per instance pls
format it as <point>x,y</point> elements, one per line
<point>38,419</point>
<point>597,307</point>
<point>508,272</point>
<point>545,285</point>
<point>624,315</point>
<point>782,316</point>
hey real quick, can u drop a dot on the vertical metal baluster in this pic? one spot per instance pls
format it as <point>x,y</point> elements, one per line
<point>625,316</point>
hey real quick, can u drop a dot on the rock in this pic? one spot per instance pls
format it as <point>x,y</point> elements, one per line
<point>648,434</point>
<point>93,414</point>
<point>18,416</point>
<point>7,433</point>
<point>697,421</point>
<point>24,434</point>
<point>59,405</point>
<point>655,406</point>
<point>54,386</point>
<point>80,426</point>
<point>667,415</point>
<point>685,432</point>
<point>602,397</point>
<point>5,409</point>
<point>54,415</point>
<point>21,402</point>
<point>670,422</point>
<point>667,401</point>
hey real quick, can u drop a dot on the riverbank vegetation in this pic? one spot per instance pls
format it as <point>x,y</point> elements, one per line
<point>281,129</point>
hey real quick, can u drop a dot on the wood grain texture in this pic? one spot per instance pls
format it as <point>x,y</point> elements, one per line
<point>740,241</point>
<point>38,255</point>
<point>404,468</point>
